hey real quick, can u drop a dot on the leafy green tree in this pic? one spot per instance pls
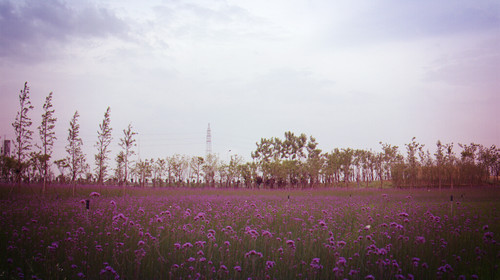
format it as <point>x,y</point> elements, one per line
<point>450,162</point>
<point>143,170</point>
<point>470,173</point>
<point>76,159</point>
<point>264,154</point>
<point>314,161</point>
<point>333,166</point>
<point>159,168</point>
<point>9,166</point>
<point>196,164</point>
<point>210,167</point>
<point>119,170</point>
<point>232,170</point>
<point>47,134</point>
<point>248,172</point>
<point>346,159</point>
<point>178,165</point>
<point>24,135</point>
<point>104,139</point>
<point>488,160</point>
<point>440,162</point>
<point>62,164</point>
<point>413,148</point>
<point>127,143</point>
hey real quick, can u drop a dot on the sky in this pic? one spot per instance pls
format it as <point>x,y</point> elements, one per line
<point>350,73</point>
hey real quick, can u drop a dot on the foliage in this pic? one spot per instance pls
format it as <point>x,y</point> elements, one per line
<point>229,234</point>
<point>76,159</point>
<point>103,143</point>
<point>127,143</point>
<point>24,135</point>
<point>47,136</point>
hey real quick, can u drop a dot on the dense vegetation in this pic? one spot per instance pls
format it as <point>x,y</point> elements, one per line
<point>180,233</point>
<point>294,161</point>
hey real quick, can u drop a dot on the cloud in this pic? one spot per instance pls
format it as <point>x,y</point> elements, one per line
<point>403,20</point>
<point>475,67</point>
<point>212,20</point>
<point>37,30</point>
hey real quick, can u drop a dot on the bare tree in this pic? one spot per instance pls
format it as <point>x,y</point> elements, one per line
<point>47,136</point>
<point>23,133</point>
<point>76,158</point>
<point>103,141</point>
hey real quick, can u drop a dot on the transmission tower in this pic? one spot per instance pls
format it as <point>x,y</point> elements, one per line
<point>209,141</point>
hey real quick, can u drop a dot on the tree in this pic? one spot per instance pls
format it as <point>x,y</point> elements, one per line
<point>119,171</point>
<point>178,164</point>
<point>314,161</point>
<point>210,167</point>
<point>103,141</point>
<point>127,143</point>
<point>440,161</point>
<point>449,162</point>
<point>24,135</point>
<point>61,164</point>
<point>196,163</point>
<point>248,172</point>
<point>232,170</point>
<point>488,159</point>
<point>143,171</point>
<point>333,166</point>
<point>389,158</point>
<point>76,158</point>
<point>159,168</point>
<point>47,136</point>
<point>347,157</point>
<point>413,149</point>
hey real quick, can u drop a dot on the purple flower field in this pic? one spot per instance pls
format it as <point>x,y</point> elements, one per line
<point>241,234</point>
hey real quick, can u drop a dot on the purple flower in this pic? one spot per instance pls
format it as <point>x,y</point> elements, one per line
<point>95,194</point>
<point>270,264</point>
<point>341,262</point>
<point>420,240</point>
<point>404,214</point>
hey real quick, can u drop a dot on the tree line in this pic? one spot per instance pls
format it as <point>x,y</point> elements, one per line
<point>294,161</point>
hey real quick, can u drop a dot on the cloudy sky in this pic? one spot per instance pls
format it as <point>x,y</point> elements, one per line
<point>350,73</point>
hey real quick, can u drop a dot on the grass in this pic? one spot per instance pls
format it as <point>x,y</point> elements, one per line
<point>213,233</point>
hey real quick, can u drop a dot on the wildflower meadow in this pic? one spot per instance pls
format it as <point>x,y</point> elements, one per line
<point>239,234</point>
